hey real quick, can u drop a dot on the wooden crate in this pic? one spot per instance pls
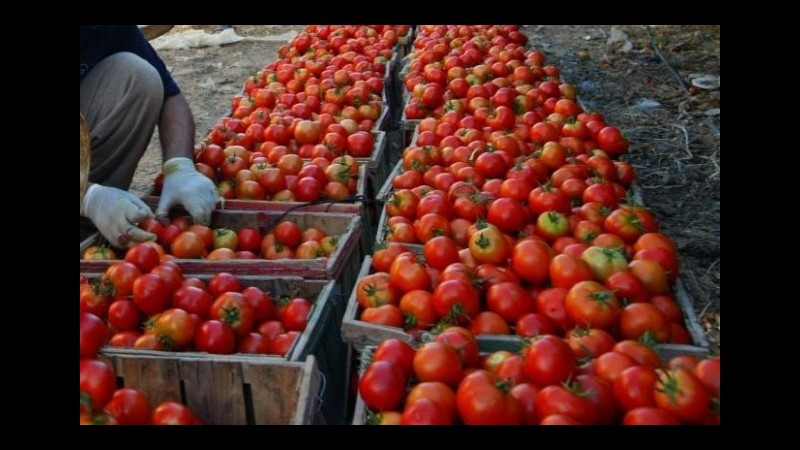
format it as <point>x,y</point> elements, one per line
<point>387,187</point>
<point>224,389</point>
<point>407,126</point>
<point>320,340</point>
<point>342,265</point>
<point>490,344</point>
<point>382,229</point>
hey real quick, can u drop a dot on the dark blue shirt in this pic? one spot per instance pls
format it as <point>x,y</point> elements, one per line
<point>100,41</point>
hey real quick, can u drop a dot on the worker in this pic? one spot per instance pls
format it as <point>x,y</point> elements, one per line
<point>126,90</point>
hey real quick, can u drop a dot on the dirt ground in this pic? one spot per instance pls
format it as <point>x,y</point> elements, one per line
<point>674,133</point>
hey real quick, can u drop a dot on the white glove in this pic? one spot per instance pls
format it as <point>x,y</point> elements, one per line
<point>184,185</point>
<point>116,213</point>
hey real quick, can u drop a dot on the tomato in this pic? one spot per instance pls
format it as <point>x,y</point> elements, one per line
<point>128,407</point>
<point>488,322</point>
<point>633,387</point>
<point>283,343</point>
<point>532,324</point>
<point>382,386</point>
<point>97,384</point>
<point>566,271</point>
<point>666,259</point>
<point>174,329</point>
<point>98,252</point>
<point>589,304</point>
<point>456,301</point>
<point>188,245</point>
<point>255,343</point>
<point>435,361</point>
<point>417,307</point>
<point>261,303</point>
<point>96,297</point>
<point>550,303</point>
<point>232,309</point>
<point>509,300</point>
<point>530,259</point>
<point>637,319</point>
<point>216,337</point>
<point>507,214</point>
<point>385,253</point>
<point>649,416</point>
<point>288,233</point>
<point>707,372</point>
<point>389,315</point>
<point>147,341</point>
<point>93,334</point>
<point>123,315</point>
<point>360,144</point>
<point>124,338</point>
<point>611,140</point>
<point>193,300</point>
<point>150,293</point>
<point>171,413</point>
<point>604,261</point>
<point>549,360</point>
<point>639,352</point>
<point>440,252</point>
<point>171,274</point>
<point>651,274</point>
<point>375,290</point>
<point>627,288</point>
<point>122,276</point>
<point>481,402</point>
<point>436,392</point>
<point>589,343</point>
<point>307,132</point>
<point>569,400</point>
<point>407,274</point>
<point>609,365</point>
<point>681,393</point>
<point>463,342</point>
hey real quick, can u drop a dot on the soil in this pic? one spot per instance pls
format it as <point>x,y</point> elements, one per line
<point>618,70</point>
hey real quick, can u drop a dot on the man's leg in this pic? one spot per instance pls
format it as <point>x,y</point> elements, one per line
<point>121,99</point>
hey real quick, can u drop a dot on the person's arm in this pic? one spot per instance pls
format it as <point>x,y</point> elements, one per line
<point>176,128</point>
<point>183,184</point>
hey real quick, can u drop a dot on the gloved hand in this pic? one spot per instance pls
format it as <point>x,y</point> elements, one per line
<point>116,213</point>
<point>184,185</point>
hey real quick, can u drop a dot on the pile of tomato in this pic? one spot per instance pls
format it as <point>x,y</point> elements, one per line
<point>182,239</point>
<point>512,215</point>
<point>319,101</point>
<point>145,302</point>
<point>447,381</point>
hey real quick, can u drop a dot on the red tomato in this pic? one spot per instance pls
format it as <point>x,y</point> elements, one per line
<point>435,361</point>
<point>93,334</point>
<point>123,315</point>
<point>128,407</point>
<point>382,386</point>
<point>150,293</point>
<point>97,384</point>
<point>549,360</point>
<point>216,337</point>
<point>649,416</point>
<point>171,413</point>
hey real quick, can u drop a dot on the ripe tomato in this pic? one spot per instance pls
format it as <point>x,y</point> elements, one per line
<point>232,309</point>
<point>633,387</point>
<point>128,407</point>
<point>171,413</point>
<point>566,271</point>
<point>382,386</point>
<point>532,324</point>
<point>707,372</point>
<point>375,290</point>
<point>481,402</point>
<point>150,293</point>
<point>637,319</point>
<point>93,334</point>
<point>122,276</point>
<point>463,342</point>
<point>174,329</point>
<point>569,400</point>
<point>283,343</point>
<point>435,361</point>
<point>216,337</point>
<point>509,300</point>
<point>288,233</point>
<point>97,384</point>
<point>97,252</point>
<point>96,297</point>
<point>123,315</point>
<point>193,300</point>
<point>223,282</point>
<point>530,259</point>
<point>648,415</point>
<point>488,322</point>
<point>590,304</point>
<point>681,393</point>
<point>549,360</point>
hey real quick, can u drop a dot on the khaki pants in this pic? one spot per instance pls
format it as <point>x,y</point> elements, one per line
<point>121,99</point>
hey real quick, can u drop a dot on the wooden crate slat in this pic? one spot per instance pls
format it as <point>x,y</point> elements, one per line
<point>214,390</point>
<point>275,391</point>
<point>307,401</point>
